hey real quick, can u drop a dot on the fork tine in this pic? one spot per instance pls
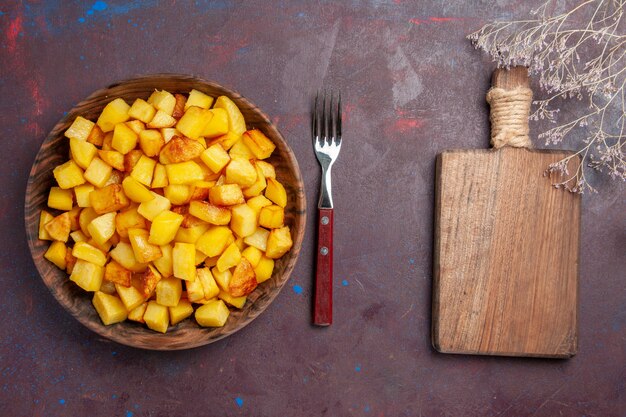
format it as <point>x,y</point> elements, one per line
<point>331,122</point>
<point>315,120</point>
<point>338,125</point>
<point>324,120</point>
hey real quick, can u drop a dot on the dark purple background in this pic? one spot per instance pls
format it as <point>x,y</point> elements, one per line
<point>412,86</point>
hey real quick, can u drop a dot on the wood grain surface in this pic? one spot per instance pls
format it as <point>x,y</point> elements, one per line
<point>506,251</point>
<point>187,334</point>
<point>506,255</point>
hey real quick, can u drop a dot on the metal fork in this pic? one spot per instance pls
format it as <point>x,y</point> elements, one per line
<point>326,129</point>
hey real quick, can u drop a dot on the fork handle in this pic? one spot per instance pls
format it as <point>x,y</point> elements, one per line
<point>323,301</point>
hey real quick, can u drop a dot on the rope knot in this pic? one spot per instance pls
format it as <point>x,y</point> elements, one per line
<point>509,116</point>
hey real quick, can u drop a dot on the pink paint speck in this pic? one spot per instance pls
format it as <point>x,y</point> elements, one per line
<point>28,301</point>
<point>346,112</point>
<point>433,19</point>
<point>223,53</point>
<point>405,125</point>
<point>38,100</point>
<point>443,19</point>
<point>34,129</point>
<point>13,31</point>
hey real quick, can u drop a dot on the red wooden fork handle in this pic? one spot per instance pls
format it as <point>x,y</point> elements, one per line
<point>323,301</point>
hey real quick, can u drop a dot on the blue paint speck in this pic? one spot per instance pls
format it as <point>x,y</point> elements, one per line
<point>135,25</point>
<point>129,413</point>
<point>113,353</point>
<point>114,396</point>
<point>90,12</point>
<point>130,20</point>
<point>239,402</point>
<point>82,57</point>
<point>367,409</point>
<point>344,282</point>
<point>357,368</point>
<point>297,289</point>
<point>1,13</point>
<point>411,261</point>
<point>61,401</point>
<point>81,20</point>
<point>99,6</point>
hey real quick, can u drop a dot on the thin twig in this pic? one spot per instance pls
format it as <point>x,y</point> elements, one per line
<point>553,48</point>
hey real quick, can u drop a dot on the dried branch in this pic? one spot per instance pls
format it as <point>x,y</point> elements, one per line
<point>573,60</point>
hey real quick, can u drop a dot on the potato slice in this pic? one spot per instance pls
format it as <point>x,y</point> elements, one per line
<point>89,253</point>
<point>226,195</point>
<point>243,281</point>
<point>60,199</point>
<point>80,129</point>
<point>116,273</point>
<point>214,241</point>
<point>157,317</point>
<point>141,110</point>
<point>168,291</point>
<point>124,139</point>
<point>86,275</point>
<point>237,302</point>
<point>163,100</point>
<point>180,149</point>
<point>113,158</point>
<point>68,175</point>
<point>229,258</point>
<point>209,213</point>
<point>180,106</point>
<point>180,312</point>
<point>113,113</point>
<point>109,307</point>
<point>264,269</point>
<point>164,227</point>
<point>213,314</point>
<point>56,254</point>
<point>244,220</point>
<point>278,242</point>
<point>108,199</point>
<point>236,122</point>
<point>144,251</point>
<point>184,256</point>
<point>149,281</point>
<point>260,145</point>
<point>96,136</point>
<point>59,228</point>
<point>198,99</point>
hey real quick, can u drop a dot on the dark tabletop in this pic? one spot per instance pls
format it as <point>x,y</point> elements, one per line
<point>412,86</point>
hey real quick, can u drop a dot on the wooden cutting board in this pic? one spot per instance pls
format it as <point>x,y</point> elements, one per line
<point>506,251</point>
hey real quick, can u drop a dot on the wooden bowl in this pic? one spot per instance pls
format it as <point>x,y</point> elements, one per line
<point>186,334</point>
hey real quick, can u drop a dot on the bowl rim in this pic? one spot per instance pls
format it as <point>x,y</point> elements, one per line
<point>299,218</point>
